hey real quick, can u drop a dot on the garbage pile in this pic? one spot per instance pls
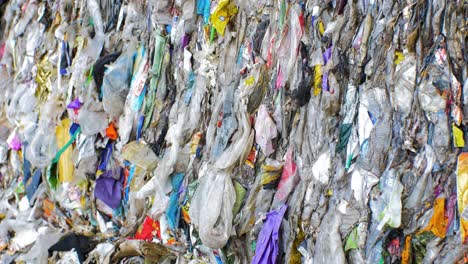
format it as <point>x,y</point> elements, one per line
<point>233,131</point>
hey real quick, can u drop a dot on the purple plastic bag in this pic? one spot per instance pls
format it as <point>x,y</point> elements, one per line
<point>267,242</point>
<point>109,190</point>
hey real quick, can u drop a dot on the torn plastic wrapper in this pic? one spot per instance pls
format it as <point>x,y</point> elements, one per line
<point>222,14</point>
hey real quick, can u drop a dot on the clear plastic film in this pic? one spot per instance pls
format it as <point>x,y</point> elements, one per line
<point>232,131</point>
<point>211,208</point>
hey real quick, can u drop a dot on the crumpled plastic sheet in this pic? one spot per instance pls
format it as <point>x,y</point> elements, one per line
<point>233,131</point>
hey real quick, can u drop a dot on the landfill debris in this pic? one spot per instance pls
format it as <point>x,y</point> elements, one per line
<point>233,131</point>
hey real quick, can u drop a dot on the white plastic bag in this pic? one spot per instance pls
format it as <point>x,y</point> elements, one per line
<point>211,208</point>
<point>42,148</point>
<point>92,122</point>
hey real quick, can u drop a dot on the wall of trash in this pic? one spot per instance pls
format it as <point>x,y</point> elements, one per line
<point>233,131</point>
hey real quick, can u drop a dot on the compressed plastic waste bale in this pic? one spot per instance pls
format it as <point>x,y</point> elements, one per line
<point>233,131</point>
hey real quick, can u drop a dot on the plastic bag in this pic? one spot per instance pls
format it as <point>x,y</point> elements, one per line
<point>116,82</point>
<point>228,123</point>
<point>289,180</point>
<point>211,208</point>
<point>42,148</point>
<point>140,154</point>
<point>137,85</point>
<point>388,209</point>
<point>222,14</point>
<point>95,46</point>
<point>38,253</point>
<point>92,122</point>
<point>267,250</point>
<point>414,199</point>
<point>405,76</point>
<point>265,131</point>
<point>329,248</point>
<point>239,150</point>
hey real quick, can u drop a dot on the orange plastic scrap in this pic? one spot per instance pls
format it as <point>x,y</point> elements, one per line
<point>406,254</point>
<point>185,213</point>
<point>171,241</point>
<point>438,223</point>
<point>462,194</point>
<point>48,207</point>
<point>464,260</point>
<point>111,132</point>
<point>250,161</point>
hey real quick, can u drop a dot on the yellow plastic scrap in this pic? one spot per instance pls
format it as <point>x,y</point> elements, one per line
<point>250,80</point>
<point>462,194</point>
<point>321,28</point>
<point>458,140</point>
<point>195,142</point>
<point>295,254</point>
<point>83,201</point>
<point>399,57</point>
<point>317,79</point>
<point>270,173</point>
<point>83,185</point>
<point>65,164</point>
<point>438,223</point>
<point>222,14</point>
<point>44,86</point>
